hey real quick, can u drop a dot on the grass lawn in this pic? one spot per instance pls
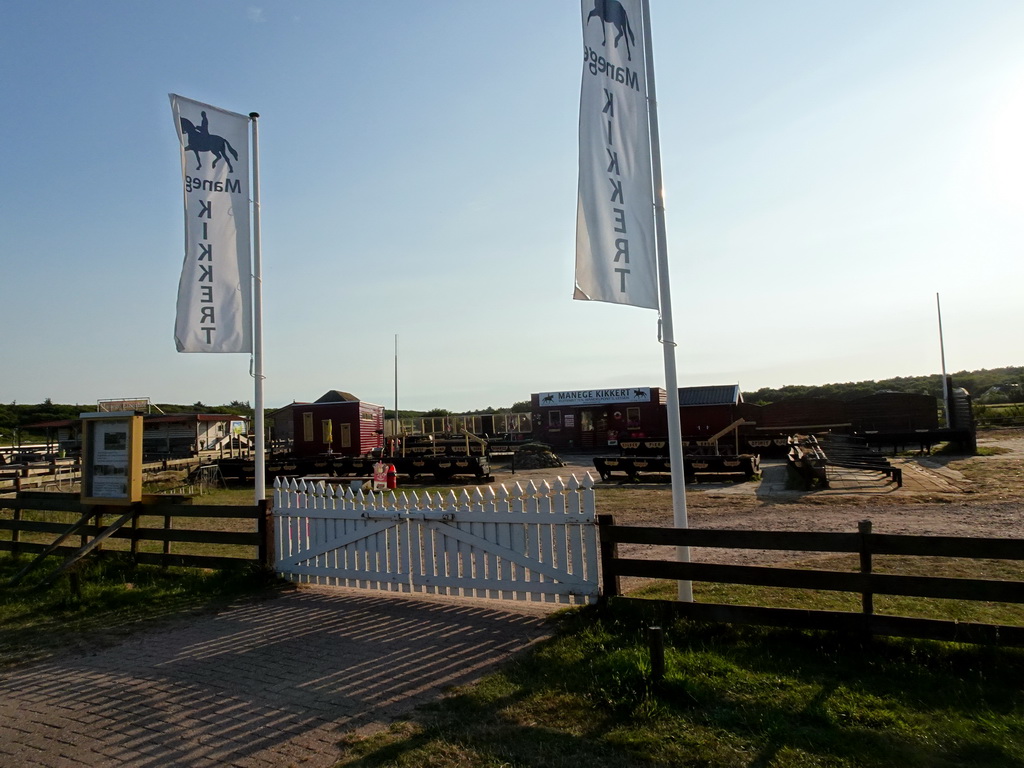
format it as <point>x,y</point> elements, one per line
<point>731,697</point>
<point>105,599</point>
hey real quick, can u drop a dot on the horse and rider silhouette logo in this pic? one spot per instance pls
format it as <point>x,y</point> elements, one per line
<point>201,140</point>
<point>612,12</point>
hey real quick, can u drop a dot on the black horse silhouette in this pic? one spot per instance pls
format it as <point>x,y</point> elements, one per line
<point>612,12</point>
<point>201,141</point>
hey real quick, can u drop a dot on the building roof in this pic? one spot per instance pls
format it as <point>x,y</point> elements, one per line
<point>337,396</point>
<point>284,409</point>
<point>173,417</point>
<point>148,419</point>
<point>57,423</point>
<point>722,394</point>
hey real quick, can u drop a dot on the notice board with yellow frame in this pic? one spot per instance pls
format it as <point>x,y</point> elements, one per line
<point>111,457</point>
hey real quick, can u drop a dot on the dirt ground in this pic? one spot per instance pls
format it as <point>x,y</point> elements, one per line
<point>941,495</point>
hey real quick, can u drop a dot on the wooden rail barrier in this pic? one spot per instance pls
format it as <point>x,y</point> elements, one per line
<point>865,582</point>
<point>152,521</point>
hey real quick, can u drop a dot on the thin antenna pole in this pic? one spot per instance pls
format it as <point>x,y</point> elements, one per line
<point>675,438</point>
<point>942,351</point>
<point>398,424</point>
<point>257,313</point>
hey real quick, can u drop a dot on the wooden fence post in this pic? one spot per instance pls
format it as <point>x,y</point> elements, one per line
<point>135,530</point>
<point>16,533</point>
<point>99,528</point>
<point>867,598</point>
<point>609,551</point>
<point>656,644</point>
<point>167,542</point>
<point>265,527</point>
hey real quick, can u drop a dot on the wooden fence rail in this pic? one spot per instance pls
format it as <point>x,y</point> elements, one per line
<point>864,582</point>
<point>234,543</point>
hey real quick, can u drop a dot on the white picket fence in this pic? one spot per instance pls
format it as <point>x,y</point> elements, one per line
<point>537,543</point>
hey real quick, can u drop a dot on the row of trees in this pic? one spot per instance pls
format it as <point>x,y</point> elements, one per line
<point>995,385</point>
<point>981,384</point>
<point>523,406</point>
<point>15,416</point>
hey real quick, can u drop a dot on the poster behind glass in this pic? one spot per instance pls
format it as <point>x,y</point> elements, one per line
<point>110,459</point>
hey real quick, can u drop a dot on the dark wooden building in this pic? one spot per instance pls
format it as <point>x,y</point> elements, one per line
<point>893,412</point>
<point>337,423</point>
<point>805,415</point>
<point>592,419</point>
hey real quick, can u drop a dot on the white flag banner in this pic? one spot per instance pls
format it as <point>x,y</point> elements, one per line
<point>215,290</point>
<point>616,258</point>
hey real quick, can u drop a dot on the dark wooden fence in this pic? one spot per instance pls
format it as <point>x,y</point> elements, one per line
<point>205,536</point>
<point>863,582</point>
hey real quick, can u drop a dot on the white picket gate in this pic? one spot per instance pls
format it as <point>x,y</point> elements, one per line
<point>537,543</point>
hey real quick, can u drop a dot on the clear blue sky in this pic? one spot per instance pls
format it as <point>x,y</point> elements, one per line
<point>829,167</point>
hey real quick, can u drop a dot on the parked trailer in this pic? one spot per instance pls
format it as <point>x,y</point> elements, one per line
<point>648,456</point>
<point>659,468</point>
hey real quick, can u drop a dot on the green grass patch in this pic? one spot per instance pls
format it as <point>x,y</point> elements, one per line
<point>892,605</point>
<point>101,600</point>
<point>956,450</point>
<point>731,697</point>
<point>991,450</point>
<point>737,696</point>
<point>229,497</point>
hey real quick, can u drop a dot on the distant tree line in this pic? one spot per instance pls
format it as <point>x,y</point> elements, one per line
<point>992,385</point>
<point>15,416</point>
<point>523,406</point>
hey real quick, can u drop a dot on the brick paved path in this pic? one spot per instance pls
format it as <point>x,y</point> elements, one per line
<point>268,683</point>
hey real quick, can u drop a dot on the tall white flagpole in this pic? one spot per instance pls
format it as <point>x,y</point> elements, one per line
<point>257,313</point>
<point>675,433</point>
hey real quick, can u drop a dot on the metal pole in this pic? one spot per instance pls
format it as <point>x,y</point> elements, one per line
<point>398,424</point>
<point>675,437</point>
<point>942,351</point>
<point>257,313</point>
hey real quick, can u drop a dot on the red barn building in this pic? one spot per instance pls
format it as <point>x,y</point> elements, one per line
<point>706,411</point>
<point>337,423</point>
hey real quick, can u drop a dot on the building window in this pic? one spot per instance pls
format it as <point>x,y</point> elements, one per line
<point>587,421</point>
<point>307,427</point>
<point>632,418</point>
<point>554,419</point>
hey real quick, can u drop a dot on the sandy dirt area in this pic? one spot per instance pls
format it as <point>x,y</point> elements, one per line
<point>941,495</point>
